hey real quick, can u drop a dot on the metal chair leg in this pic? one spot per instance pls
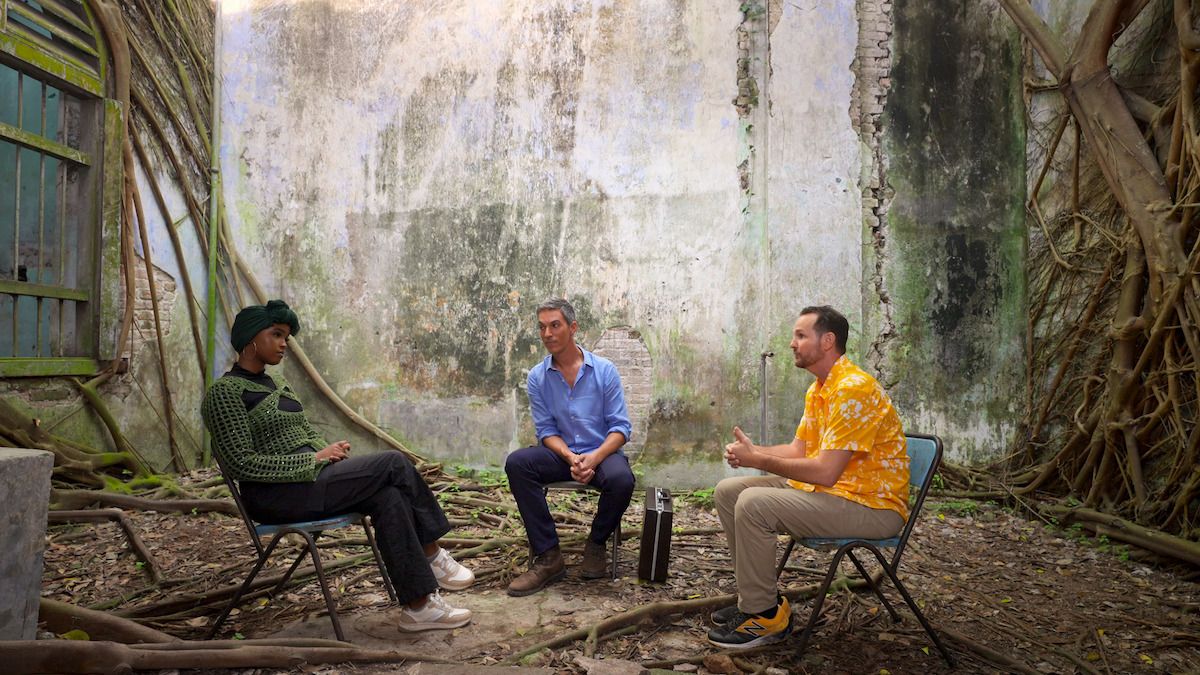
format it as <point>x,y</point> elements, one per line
<point>829,576</point>
<point>787,552</point>
<point>816,610</point>
<point>288,575</point>
<point>262,560</point>
<point>312,549</point>
<point>616,547</point>
<point>920,616</point>
<point>387,580</point>
<point>871,582</point>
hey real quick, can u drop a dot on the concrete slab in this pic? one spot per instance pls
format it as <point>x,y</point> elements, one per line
<point>497,618</point>
<point>24,494</point>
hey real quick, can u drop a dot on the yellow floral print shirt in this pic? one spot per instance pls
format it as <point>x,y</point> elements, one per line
<point>851,411</point>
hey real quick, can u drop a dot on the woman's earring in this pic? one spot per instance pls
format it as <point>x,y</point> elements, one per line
<point>255,345</point>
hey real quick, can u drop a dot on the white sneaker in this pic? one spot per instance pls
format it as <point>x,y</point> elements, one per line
<point>449,574</point>
<point>435,615</point>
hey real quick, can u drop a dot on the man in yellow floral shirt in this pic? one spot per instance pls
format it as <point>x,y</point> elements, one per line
<point>844,475</point>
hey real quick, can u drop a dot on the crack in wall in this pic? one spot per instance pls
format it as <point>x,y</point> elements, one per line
<point>872,68</point>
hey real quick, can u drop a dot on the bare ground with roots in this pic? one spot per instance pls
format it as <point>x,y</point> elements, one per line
<point>1009,594</point>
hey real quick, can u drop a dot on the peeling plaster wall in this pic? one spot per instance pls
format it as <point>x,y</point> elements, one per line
<point>414,177</point>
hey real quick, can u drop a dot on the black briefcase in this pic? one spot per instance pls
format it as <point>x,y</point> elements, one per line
<point>656,536</point>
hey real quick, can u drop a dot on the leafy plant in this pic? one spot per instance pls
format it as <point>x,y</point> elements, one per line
<point>701,497</point>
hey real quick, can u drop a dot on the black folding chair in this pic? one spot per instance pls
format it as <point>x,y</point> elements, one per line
<point>924,454</point>
<point>310,530</point>
<point>584,487</point>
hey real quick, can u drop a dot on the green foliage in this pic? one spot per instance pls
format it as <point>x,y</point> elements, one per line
<point>957,508</point>
<point>701,497</point>
<point>752,9</point>
<point>485,477</point>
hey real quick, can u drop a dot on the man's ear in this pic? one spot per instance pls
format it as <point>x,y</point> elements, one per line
<point>828,340</point>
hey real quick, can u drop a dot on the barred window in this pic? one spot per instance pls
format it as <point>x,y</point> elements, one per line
<point>54,122</point>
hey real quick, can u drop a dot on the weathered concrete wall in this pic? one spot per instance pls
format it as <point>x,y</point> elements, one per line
<point>953,266</point>
<point>414,177</point>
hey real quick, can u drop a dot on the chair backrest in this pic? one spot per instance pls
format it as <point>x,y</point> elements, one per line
<point>237,499</point>
<point>924,455</point>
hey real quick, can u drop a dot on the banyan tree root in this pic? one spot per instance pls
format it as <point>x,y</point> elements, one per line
<point>61,618</point>
<point>654,610</point>
<point>79,656</point>
<point>987,654</point>
<point>131,532</point>
<point>80,499</point>
<point>1130,533</point>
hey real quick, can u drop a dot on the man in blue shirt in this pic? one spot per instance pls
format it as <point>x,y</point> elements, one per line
<point>579,414</point>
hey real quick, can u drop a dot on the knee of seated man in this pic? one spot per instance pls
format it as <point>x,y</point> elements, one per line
<point>725,488</point>
<point>512,463</point>
<point>756,501</point>
<point>620,478</point>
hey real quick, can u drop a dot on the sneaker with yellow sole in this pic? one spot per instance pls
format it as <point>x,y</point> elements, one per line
<point>751,630</point>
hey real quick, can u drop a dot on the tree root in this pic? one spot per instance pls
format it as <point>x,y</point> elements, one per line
<point>592,634</point>
<point>78,656</point>
<point>80,499</point>
<point>1130,533</point>
<point>988,654</point>
<point>131,533</point>
<point>61,617</point>
<point>262,584</point>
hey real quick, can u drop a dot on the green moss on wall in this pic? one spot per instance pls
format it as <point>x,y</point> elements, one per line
<point>956,143</point>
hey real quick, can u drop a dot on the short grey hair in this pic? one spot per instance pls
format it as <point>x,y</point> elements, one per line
<point>558,304</point>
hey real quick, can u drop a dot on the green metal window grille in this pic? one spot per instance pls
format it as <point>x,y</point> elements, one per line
<point>52,152</point>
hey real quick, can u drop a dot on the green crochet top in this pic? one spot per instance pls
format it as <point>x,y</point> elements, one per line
<point>259,444</point>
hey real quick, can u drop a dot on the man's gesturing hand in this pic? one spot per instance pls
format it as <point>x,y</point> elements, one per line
<point>741,452</point>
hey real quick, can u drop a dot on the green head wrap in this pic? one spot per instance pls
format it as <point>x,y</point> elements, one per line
<point>255,318</point>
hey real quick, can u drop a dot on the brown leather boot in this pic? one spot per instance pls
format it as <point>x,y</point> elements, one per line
<point>547,568</point>
<point>595,563</point>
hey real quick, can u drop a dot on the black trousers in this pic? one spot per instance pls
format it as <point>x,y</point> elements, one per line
<point>528,469</point>
<point>384,486</point>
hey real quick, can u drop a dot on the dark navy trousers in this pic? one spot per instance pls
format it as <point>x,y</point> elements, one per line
<point>530,468</point>
<point>384,485</point>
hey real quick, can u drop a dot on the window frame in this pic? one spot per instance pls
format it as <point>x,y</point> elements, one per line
<point>67,61</point>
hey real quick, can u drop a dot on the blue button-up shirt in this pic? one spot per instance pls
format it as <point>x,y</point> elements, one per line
<point>582,416</point>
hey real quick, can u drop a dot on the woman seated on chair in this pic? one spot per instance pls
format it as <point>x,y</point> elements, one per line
<point>288,474</point>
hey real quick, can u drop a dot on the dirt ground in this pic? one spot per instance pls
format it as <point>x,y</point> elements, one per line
<point>1050,600</point>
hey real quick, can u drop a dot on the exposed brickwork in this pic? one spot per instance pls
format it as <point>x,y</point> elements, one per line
<point>143,309</point>
<point>872,68</point>
<point>624,347</point>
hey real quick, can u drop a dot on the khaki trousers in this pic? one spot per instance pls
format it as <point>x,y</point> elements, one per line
<point>755,510</point>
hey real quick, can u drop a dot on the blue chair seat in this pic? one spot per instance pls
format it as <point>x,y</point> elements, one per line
<point>310,526</point>
<point>835,544</point>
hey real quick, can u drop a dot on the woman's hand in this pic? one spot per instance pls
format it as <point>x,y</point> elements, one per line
<point>336,451</point>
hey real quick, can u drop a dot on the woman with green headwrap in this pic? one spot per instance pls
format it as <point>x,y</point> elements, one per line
<point>288,473</point>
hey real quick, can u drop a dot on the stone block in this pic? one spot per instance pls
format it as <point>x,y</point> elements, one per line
<point>25,494</point>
